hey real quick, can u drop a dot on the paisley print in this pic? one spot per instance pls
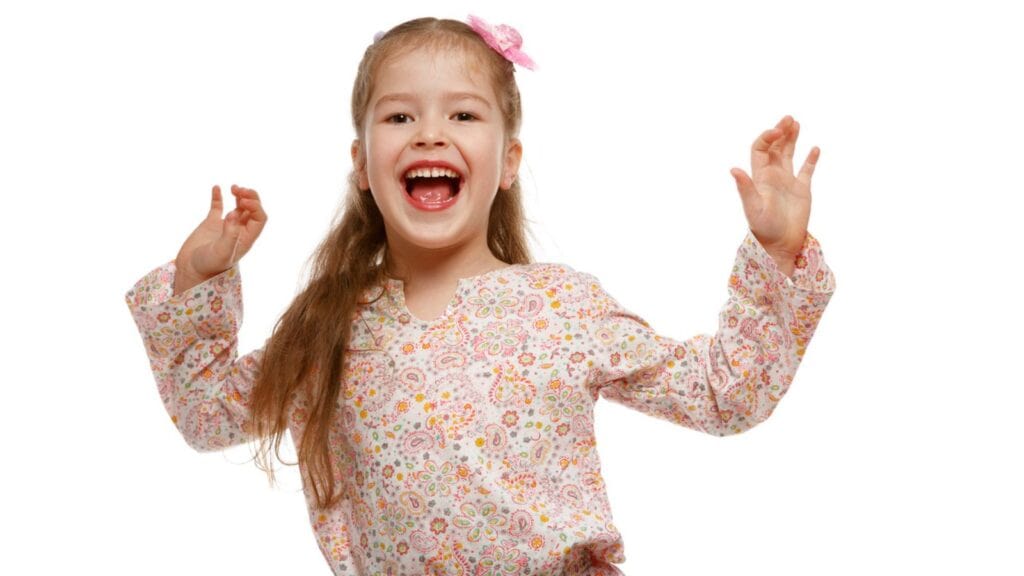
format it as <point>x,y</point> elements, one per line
<point>465,445</point>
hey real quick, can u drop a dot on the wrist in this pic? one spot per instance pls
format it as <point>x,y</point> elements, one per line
<point>784,261</point>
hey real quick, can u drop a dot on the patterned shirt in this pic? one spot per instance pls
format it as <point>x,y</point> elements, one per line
<point>465,445</point>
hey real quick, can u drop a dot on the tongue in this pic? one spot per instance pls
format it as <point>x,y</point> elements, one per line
<point>431,190</point>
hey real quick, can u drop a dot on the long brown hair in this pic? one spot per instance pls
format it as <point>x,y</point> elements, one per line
<point>305,355</point>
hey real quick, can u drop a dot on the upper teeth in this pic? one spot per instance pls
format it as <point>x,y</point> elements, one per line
<point>431,173</point>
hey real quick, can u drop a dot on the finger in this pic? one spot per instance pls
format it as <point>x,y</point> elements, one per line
<point>227,243</point>
<point>253,206</point>
<point>807,170</point>
<point>760,150</point>
<point>216,202</point>
<point>790,146</point>
<point>744,185</point>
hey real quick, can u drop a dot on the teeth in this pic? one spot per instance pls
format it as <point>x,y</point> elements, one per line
<point>431,173</point>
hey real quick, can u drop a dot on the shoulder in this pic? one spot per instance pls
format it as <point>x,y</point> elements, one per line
<point>547,276</point>
<point>564,290</point>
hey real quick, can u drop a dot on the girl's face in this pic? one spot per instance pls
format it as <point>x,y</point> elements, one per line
<point>432,113</point>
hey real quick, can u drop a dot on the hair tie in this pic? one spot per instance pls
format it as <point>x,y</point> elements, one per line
<point>504,39</point>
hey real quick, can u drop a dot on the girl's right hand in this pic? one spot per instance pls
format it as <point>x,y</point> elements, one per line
<point>216,244</point>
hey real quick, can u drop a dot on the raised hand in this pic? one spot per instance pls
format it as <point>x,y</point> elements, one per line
<point>776,202</point>
<point>217,244</point>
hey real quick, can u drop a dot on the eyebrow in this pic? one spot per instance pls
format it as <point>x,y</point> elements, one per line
<point>450,96</point>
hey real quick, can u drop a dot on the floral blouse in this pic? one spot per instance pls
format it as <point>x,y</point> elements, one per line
<point>465,445</point>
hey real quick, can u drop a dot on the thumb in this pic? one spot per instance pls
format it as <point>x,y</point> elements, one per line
<point>745,186</point>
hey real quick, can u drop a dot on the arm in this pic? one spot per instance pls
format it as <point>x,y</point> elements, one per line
<point>191,340</point>
<point>726,383</point>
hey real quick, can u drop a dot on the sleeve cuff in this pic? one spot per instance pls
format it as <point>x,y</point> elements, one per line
<point>213,306</point>
<point>810,272</point>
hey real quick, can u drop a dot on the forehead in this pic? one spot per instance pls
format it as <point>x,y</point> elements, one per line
<point>426,72</point>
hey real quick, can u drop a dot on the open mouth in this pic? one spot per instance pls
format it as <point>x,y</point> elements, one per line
<point>432,186</point>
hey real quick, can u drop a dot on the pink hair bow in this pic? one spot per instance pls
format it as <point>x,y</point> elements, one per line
<point>504,39</point>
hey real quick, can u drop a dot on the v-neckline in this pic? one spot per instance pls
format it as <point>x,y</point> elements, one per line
<point>396,288</point>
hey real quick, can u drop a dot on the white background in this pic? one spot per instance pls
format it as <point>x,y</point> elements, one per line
<point>897,449</point>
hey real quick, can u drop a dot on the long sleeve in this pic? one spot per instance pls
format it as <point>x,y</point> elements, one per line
<point>731,381</point>
<point>191,340</point>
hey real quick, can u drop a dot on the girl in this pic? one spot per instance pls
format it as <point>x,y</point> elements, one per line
<point>438,385</point>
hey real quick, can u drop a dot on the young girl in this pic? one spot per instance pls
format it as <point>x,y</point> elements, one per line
<point>438,385</point>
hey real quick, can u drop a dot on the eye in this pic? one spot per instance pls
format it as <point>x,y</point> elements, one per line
<point>464,117</point>
<point>398,118</point>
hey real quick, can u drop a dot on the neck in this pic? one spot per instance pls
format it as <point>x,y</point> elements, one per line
<point>418,266</point>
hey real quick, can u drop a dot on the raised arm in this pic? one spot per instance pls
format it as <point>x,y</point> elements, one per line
<point>189,312</point>
<point>726,383</point>
<point>191,340</point>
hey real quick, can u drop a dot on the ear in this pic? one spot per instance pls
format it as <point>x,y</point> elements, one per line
<point>510,167</point>
<point>359,165</point>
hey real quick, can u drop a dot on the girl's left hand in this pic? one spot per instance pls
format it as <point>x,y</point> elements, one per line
<point>777,203</point>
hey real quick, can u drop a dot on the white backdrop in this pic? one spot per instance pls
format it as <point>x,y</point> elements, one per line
<point>896,450</point>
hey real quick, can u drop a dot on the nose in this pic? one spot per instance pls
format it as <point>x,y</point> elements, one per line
<point>430,135</point>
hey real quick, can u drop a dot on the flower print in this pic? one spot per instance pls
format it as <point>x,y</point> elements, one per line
<point>562,402</point>
<point>402,548</point>
<point>217,304</point>
<point>163,317</point>
<point>576,357</point>
<point>501,560</point>
<point>510,418</point>
<point>481,521</point>
<point>437,479</point>
<point>393,522</point>
<point>526,359</point>
<point>499,339</point>
<point>511,387</point>
<point>537,542</point>
<point>562,429</point>
<point>490,303</point>
<point>438,526</point>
